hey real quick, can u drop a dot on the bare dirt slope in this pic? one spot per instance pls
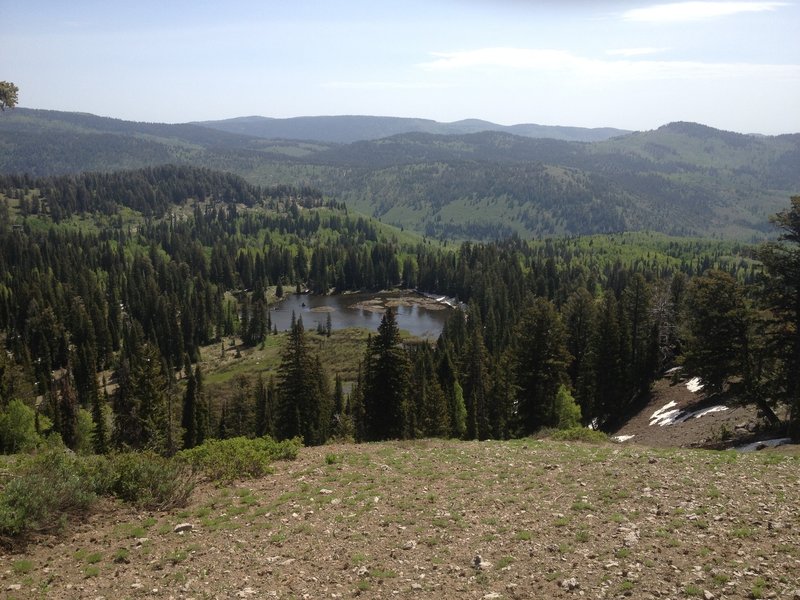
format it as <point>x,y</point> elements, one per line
<point>689,418</point>
<point>443,519</point>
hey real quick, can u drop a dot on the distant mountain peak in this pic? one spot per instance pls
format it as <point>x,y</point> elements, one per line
<point>694,129</point>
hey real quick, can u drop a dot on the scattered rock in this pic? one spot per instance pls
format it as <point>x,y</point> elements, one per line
<point>409,545</point>
<point>630,537</point>
<point>248,591</point>
<point>492,596</point>
<point>14,587</point>
<point>570,584</point>
<point>181,527</point>
<point>480,564</point>
<point>708,595</point>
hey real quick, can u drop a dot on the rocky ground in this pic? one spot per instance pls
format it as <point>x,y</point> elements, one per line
<point>444,519</point>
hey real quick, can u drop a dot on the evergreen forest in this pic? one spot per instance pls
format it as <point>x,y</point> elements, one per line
<point>117,288</point>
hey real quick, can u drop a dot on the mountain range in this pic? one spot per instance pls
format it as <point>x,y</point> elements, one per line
<point>353,128</point>
<point>469,179</point>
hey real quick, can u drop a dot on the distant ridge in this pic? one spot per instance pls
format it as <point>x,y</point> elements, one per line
<point>347,129</point>
<point>680,179</point>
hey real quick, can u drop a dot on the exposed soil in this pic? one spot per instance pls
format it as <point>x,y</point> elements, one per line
<point>445,519</point>
<point>719,428</point>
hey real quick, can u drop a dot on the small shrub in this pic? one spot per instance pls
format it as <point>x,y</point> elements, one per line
<point>579,434</point>
<point>150,480</point>
<point>18,428</point>
<point>693,590</point>
<point>742,532</point>
<point>567,410</point>
<point>48,488</point>
<point>91,571</point>
<point>22,567</point>
<point>121,555</point>
<point>227,460</point>
<point>758,588</point>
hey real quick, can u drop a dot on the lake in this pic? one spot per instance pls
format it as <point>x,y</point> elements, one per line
<point>418,315</point>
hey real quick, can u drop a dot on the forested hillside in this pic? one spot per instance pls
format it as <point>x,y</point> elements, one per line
<point>681,179</point>
<point>354,128</point>
<point>115,289</point>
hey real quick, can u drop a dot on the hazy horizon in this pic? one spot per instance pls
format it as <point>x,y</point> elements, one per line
<point>628,64</point>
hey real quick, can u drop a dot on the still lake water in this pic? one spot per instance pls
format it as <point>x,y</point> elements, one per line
<point>417,320</point>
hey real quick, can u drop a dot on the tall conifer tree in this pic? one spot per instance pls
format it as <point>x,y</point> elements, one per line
<point>386,383</point>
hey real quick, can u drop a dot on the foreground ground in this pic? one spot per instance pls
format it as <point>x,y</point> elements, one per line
<point>521,519</point>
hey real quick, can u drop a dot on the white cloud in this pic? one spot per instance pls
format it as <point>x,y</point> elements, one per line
<point>696,11</point>
<point>634,51</point>
<point>561,61</point>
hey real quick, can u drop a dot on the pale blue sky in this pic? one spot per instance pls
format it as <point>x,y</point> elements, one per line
<point>630,64</point>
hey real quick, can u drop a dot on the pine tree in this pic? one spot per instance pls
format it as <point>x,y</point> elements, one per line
<point>263,412</point>
<point>303,399</point>
<point>141,419</point>
<point>189,414</point>
<point>716,329</point>
<point>476,386</point>
<point>68,411</point>
<point>454,395</point>
<point>604,376</point>
<point>580,320</point>
<point>430,409</point>
<point>540,360</point>
<point>782,296</point>
<point>386,383</point>
<point>636,308</point>
<point>100,432</point>
<point>202,412</point>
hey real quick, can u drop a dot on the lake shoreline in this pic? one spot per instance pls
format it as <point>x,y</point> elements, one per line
<point>421,314</point>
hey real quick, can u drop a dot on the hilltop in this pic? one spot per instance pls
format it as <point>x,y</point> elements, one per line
<point>444,519</point>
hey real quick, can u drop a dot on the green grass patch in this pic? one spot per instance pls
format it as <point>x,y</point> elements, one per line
<point>238,458</point>
<point>22,567</point>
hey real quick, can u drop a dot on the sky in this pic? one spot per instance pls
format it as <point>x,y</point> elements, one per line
<point>630,64</point>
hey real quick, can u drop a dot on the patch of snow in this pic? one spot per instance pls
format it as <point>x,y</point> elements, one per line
<point>672,370</point>
<point>705,411</point>
<point>669,415</point>
<point>763,444</point>
<point>663,413</point>
<point>694,385</point>
<point>622,438</point>
<point>594,425</point>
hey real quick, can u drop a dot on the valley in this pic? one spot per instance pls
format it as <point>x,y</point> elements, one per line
<point>475,365</point>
